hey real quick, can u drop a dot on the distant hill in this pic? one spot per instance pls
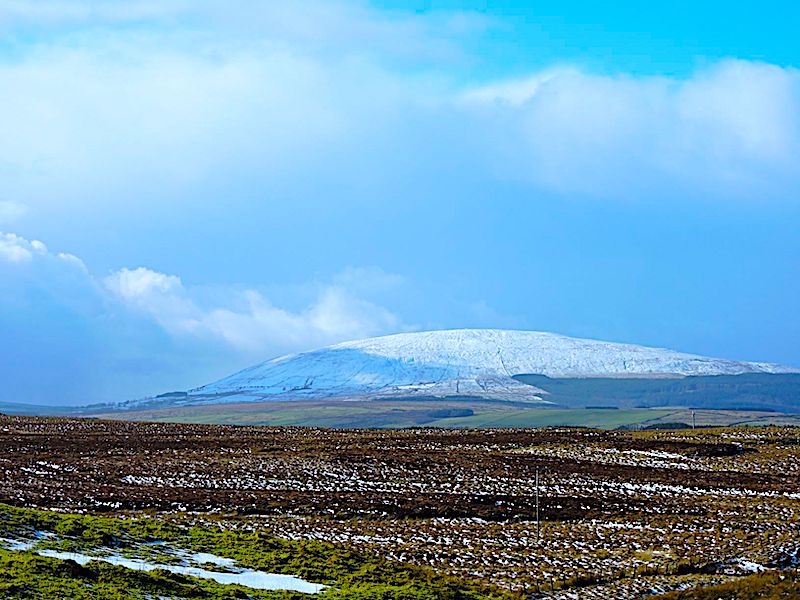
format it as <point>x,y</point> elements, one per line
<point>18,408</point>
<point>535,368</point>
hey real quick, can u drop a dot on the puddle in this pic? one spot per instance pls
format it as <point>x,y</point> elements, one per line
<point>253,579</point>
<point>16,545</point>
<point>258,580</point>
<point>21,545</point>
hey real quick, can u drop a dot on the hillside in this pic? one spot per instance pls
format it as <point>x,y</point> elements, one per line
<point>532,368</point>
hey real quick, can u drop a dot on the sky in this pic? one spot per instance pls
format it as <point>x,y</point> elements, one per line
<point>191,187</point>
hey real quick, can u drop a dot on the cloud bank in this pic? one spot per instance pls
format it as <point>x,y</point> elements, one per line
<point>61,314</point>
<point>180,97</point>
<point>731,129</point>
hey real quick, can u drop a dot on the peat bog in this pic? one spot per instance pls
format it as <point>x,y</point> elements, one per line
<point>415,513</point>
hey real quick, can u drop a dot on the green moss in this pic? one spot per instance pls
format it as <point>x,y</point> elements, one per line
<point>350,575</point>
<point>26,575</point>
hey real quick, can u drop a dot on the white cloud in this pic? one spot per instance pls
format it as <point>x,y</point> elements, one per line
<point>515,92</point>
<point>157,117</point>
<point>16,249</point>
<point>316,25</point>
<point>137,285</point>
<point>339,315</point>
<point>335,315</point>
<point>251,322</point>
<point>160,296</point>
<point>732,129</point>
<point>27,265</point>
<point>743,113</point>
<point>279,94</point>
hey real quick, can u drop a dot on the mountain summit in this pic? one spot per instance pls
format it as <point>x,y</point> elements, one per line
<point>485,363</point>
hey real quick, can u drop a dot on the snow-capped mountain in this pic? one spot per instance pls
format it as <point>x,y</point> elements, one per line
<point>464,362</point>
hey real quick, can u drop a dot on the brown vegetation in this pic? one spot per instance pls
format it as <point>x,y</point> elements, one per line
<point>647,511</point>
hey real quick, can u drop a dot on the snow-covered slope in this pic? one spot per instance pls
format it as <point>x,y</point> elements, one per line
<point>464,362</point>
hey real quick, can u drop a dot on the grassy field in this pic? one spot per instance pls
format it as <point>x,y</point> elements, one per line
<point>443,413</point>
<point>544,417</point>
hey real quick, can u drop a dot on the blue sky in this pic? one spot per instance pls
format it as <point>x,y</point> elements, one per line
<point>190,187</point>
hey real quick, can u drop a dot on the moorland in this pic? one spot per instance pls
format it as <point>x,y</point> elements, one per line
<point>91,507</point>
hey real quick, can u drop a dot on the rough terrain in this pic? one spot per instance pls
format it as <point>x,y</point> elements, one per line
<point>623,513</point>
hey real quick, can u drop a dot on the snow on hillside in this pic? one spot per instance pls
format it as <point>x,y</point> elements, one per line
<point>514,352</point>
<point>467,362</point>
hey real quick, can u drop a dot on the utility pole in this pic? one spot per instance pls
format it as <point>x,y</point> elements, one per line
<point>537,506</point>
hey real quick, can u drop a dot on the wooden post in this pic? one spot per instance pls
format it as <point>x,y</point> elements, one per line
<point>538,526</point>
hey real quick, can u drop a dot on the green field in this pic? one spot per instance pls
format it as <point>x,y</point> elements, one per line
<point>546,417</point>
<point>748,391</point>
<point>443,413</point>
